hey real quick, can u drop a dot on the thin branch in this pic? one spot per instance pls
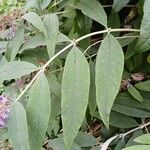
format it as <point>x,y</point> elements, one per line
<point>73,43</point>
<point>106,144</point>
<point>123,37</point>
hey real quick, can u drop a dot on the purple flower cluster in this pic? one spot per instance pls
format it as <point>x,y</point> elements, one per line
<point>4,110</point>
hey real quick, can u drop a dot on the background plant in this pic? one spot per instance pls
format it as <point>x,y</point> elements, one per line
<point>77,74</point>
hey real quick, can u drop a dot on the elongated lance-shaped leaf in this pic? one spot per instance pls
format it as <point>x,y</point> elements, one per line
<point>52,27</point>
<point>17,127</point>
<point>118,5</point>
<point>145,25</point>
<point>36,21</point>
<point>94,10</point>
<point>16,43</point>
<point>144,139</point>
<point>38,111</point>
<point>75,92</point>
<point>109,68</point>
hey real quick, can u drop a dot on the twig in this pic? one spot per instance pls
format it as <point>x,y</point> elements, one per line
<point>73,43</point>
<point>106,144</point>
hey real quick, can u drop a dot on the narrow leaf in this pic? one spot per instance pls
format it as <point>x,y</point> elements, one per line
<point>39,40</point>
<point>75,91</point>
<point>3,46</point>
<point>52,27</point>
<point>119,4</point>
<point>135,93</point>
<point>92,94</point>
<point>143,139</point>
<point>16,69</point>
<point>36,21</point>
<point>138,147</point>
<point>38,111</point>
<point>17,127</point>
<point>16,43</point>
<point>45,3</point>
<point>145,25</point>
<point>94,10</point>
<point>109,68</point>
<point>144,86</point>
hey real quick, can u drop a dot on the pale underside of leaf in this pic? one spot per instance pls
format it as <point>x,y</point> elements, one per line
<point>75,92</point>
<point>109,69</point>
<point>17,127</point>
<point>38,111</point>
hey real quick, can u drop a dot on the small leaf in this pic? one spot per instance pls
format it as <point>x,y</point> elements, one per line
<point>145,25</point>
<point>52,27</point>
<point>142,45</point>
<point>120,145</point>
<point>94,10</point>
<point>36,21</point>
<point>38,111</point>
<point>16,43</point>
<point>148,58</point>
<point>109,69</point>
<point>144,86</point>
<point>45,3</point>
<point>39,40</point>
<point>143,139</point>
<point>85,140</point>
<point>58,144</point>
<point>75,92</point>
<point>92,94</point>
<point>17,127</point>
<point>16,69</point>
<point>138,147</point>
<point>135,93</point>
<point>3,46</point>
<point>33,42</point>
<point>119,120</point>
<point>119,4</point>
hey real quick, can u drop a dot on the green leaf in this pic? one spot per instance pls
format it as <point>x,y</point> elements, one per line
<point>45,3</point>
<point>92,95</point>
<point>17,127</point>
<point>39,40</point>
<point>52,27</point>
<point>143,139</point>
<point>16,69</point>
<point>58,144</point>
<point>33,42</point>
<point>119,120</point>
<point>32,4</point>
<point>114,22</point>
<point>3,46</point>
<point>144,86</point>
<point>119,4</point>
<point>120,145</point>
<point>16,43</point>
<point>142,45</point>
<point>145,25</point>
<point>138,147</point>
<point>109,69</point>
<point>94,10</point>
<point>75,92</point>
<point>38,111</point>
<point>85,140</point>
<point>135,93</point>
<point>131,141</point>
<point>148,58</point>
<point>122,121</point>
<point>36,21</point>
